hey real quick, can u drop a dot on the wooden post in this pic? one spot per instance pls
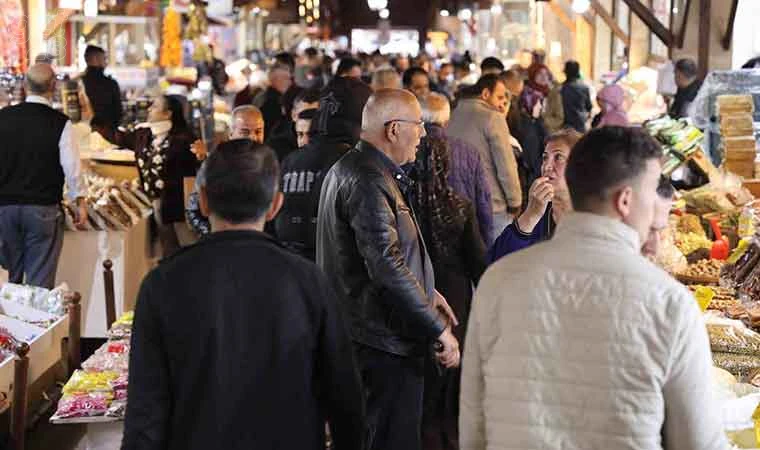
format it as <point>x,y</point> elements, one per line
<point>110,295</point>
<point>18,409</point>
<point>75,333</point>
<point>704,38</point>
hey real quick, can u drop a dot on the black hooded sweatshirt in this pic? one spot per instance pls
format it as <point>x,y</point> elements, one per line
<point>338,125</point>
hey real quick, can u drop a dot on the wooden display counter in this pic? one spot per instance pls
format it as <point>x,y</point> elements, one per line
<point>81,266</point>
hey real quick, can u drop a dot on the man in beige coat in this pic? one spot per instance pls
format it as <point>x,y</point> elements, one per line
<point>481,122</point>
<point>580,342</point>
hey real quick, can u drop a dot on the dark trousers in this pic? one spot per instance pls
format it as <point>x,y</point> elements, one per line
<point>440,428</point>
<point>31,239</point>
<point>393,387</point>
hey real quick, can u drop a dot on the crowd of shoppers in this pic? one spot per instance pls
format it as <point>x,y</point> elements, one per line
<point>344,262</point>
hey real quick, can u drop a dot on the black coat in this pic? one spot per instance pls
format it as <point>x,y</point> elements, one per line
<point>104,95</point>
<point>239,344</point>
<point>302,174</point>
<point>370,247</point>
<point>269,104</point>
<point>576,102</point>
<point>683,99</point>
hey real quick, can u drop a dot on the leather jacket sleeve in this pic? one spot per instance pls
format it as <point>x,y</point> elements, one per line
<point>376,230</point>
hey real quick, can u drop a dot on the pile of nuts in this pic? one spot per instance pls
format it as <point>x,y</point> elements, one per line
<point>706,268</point>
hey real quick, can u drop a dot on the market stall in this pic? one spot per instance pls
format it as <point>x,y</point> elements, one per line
<point>118,231</point>
<point>96,395</point>
<point>33,324</point>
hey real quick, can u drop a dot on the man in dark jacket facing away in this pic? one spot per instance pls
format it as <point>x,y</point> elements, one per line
<point>102,91</point>
<point>337,128</point>
<point>369,245</point>
<point>237,343</point>
<point>576,99</point>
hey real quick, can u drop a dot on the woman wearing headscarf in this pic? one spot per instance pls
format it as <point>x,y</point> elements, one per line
<point>611,100</point>
<point>541,99</point>
<point>451,233</point>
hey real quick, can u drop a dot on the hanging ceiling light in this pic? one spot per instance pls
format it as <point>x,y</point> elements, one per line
<point>384,13</point>
<point>465,14</point>
<point>444,13</point>
<point>377,5</point>
<point>581,6</point>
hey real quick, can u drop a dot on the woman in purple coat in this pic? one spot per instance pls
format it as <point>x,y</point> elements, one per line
<point>548,200</point>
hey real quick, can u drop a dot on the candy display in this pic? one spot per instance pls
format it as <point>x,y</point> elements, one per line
<point>83,405</point>
<point>100,388</point>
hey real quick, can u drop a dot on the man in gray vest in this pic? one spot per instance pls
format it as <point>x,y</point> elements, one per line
<point>38,153</point>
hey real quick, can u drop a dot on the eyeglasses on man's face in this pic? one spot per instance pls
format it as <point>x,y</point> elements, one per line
<point>419,123</point>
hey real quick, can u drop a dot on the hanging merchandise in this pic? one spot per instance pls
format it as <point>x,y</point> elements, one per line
<point>197,31</point>
<point>171,43</point>
<point>13,28</point>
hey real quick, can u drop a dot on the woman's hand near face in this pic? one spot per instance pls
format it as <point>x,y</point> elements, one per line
<point>539,196</point>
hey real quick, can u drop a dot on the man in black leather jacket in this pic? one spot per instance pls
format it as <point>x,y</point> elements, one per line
<point>370,247</point>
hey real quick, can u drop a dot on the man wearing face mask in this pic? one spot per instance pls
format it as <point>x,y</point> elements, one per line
<point>247,123</point>
<point>481,122</point>
<point>582,331</point>
<point>370,247</point>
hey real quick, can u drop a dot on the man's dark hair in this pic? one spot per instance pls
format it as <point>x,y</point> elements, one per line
<point>572,70</point>
<point>308,114</point>
<point>491,63</point>
<point>410,73</point>
<point>310,95</point>
<point>285,59</point>
<point>311,52</point>
<point>665,188</point>
<point>345,66</point>
<point>241,180</point>
<point>92,51</point>
<point>487,82</point>
<point>687,67</point>
<point>288,99</point>
<point>613,155</point>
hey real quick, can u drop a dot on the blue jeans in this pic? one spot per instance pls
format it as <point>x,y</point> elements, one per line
<point>31,239</point>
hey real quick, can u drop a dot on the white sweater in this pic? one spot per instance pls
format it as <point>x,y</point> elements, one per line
<point>580,343</point>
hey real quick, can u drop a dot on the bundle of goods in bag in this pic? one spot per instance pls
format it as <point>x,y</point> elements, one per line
<point>110,205</point>
<point>737,364</point>
<point>113,356</point>
<point>51,301</point>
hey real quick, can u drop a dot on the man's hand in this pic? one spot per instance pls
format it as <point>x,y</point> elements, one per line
<point>538,109</point>
<point>539,196</point>
<point>440,303</point>
<point>81,211</point>
<point>199,149</point>
<point>449,356</point>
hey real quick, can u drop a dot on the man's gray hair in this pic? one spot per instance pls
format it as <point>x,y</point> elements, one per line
<point>386,78</point>
<point>436,109</point>
<point>242,109</point>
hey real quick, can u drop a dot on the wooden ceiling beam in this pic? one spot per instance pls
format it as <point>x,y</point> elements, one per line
<point>610,21</point>
<point>562,16</point>
<point>728,37</point>
<point>651,21</point>
<point>684,21</point>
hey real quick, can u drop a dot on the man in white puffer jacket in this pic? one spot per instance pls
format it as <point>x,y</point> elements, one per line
<point>580,343</point>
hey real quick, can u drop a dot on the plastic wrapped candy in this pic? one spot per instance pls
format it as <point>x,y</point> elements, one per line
<point>83,405</point>
<point>87,382</point>
<point>117,409</point>
<point>107,362</point>
<point>118,347</point>
<point>739,365</point>
<point>122,328</point>
<point>120,383</point>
